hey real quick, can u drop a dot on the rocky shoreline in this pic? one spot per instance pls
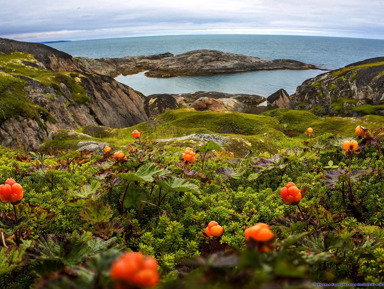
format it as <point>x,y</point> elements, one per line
<point>197,62</point>
<point>156,104</point>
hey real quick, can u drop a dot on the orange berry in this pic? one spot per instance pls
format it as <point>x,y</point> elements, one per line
<point>134,269</point>
<point>293,191</point>
<point>289,184</point>
<point>212,223</point>
<point>346,145</point>
<point>289,199</point>
<point>259,232</point>
<point>13,198</point>
<point>3,198</point>
<point>10,182</point>
<point>208,232</point>
<point>136,133</point>
<point>217,231</point>
<point>265,234</point>
<point>146,278</point>
<point>298,197</point>
<point>17,188</point>
<point>353,145</point>
<point>5,193</point>
<point>310,130</point>
<point>150,263</point>
<point>284,192</point>
<point>107,149</point>
<point>125,267</point>
<point>118,154</point>
<point>189,155</point>
<point>360,131</point>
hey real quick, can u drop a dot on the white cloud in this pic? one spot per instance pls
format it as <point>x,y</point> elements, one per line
<point>41,20</point>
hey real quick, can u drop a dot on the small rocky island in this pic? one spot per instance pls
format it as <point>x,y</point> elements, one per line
<point>197,62</point>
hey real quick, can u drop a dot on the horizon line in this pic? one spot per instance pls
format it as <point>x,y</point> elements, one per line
<point>208,34</point>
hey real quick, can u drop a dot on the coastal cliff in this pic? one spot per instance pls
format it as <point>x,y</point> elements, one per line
<point>43,90</point>
<point>353,90</point>
<point>197,62</point>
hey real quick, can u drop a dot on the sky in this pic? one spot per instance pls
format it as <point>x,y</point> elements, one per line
<point>52,20</point>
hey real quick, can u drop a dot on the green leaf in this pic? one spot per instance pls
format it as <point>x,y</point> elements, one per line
<point>70,250</point>
<point>86,191</point>
<point>10,256</point>
<point>229,173</point>
<point>209,146</point>
<point>96,212</point>
<point>293,239</point>
<point>134,195</point>
<point>178,185</point>
<point>253,177</point>
<point>144,174</point>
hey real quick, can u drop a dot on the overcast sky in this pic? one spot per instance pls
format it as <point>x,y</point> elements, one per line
<point>48,20</point>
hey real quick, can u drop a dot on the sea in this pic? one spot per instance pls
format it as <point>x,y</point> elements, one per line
<point>327,53</point>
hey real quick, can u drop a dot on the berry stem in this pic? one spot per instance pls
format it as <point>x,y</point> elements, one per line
<point>16,232</point>
<point>125,193</point>
<point>2,238</point>
<point>301,212</point>
<point>351,198</point>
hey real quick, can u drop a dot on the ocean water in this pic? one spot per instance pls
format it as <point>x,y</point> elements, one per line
<point>324,52</point>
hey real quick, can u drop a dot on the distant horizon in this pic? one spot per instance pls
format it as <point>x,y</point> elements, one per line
<point>210,34</point>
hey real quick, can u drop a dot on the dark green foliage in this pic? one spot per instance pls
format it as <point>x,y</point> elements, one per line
<point>81,211</point>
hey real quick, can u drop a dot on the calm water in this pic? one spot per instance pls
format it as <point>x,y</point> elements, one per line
<point>325,52</point>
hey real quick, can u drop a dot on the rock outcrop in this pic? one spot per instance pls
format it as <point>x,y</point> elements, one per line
<point>279,99</point>
<point>156,104</point>
<point>353,90</point>
<point>43,90</point>
<point>197,62</point>
<point>203,100</point>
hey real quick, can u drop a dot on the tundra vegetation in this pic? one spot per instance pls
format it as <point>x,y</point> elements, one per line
<point>290,199</point>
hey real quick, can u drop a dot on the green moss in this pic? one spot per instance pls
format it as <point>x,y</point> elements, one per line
<point>341,79</point>
<point>13,101</point>
<point>294,122</point>
<point>316,84</point>
<point>381,74</point>
<point>338,103</point>
<point>373,119</point>
<point>97,131</point>
<point>368,108</point>
<point>22,64</point>
<point>334,125</point>
<point>316,110</point>
<point>332,86</point>
<point>73,82</point>
<point>357,67</point>
<point>226,122</point>
<point>50,96</point>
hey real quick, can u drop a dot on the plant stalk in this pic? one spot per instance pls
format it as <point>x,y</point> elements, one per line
<point>17,231</point>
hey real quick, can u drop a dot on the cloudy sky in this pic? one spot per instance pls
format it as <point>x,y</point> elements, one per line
<point>48,20</point>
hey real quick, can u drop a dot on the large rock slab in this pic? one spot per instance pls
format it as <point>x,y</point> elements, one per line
<point>197,62</point>
<point>47,90</point>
